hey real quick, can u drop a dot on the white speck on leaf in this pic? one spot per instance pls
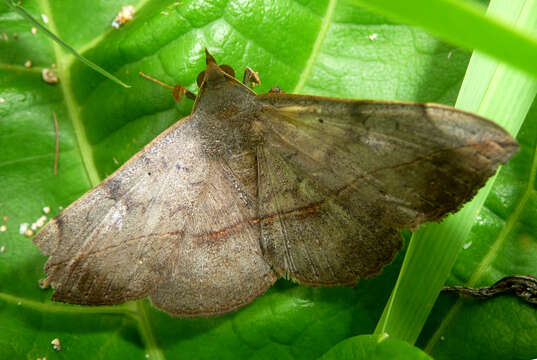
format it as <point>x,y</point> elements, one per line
<point>56,344</point>
<point>124,15</point>
<point>23,227</point>
<point>49,76</point>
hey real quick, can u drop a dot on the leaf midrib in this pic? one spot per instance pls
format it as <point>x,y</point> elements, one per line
<point>64,63</point>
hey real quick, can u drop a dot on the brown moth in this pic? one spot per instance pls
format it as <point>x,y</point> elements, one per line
<point>250,188</point>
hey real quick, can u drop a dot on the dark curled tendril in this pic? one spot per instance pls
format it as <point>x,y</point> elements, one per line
<point>522,286</point>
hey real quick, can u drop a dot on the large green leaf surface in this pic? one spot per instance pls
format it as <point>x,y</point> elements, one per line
<point>323,48</point>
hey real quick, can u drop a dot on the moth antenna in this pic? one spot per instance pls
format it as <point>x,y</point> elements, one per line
<point>177,91</point>
<point>163,84</point>
<point>228,70</point>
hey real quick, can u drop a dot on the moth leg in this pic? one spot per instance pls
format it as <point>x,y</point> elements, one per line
<point>251,77</point>
<point>178,91</point>
<point>276,89</point>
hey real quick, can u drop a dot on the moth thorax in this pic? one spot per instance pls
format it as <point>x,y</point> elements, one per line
<point>227,132</point>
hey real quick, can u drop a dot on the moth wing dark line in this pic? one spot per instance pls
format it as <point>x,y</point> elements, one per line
<point>362,171</point>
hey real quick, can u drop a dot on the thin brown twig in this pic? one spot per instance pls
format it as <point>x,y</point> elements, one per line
<point>57,152</point>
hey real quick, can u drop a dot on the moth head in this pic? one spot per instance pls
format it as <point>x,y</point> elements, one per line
<point>214,73</point>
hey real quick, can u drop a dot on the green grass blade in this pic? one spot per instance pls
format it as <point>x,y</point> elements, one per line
<point>495,91</point>
<point>451,21</point>
<point>21,11</point>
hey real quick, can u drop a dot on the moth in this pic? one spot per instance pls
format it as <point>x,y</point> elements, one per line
<point>250,188</point>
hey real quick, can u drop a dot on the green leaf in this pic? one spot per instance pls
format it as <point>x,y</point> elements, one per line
<point>374,347</point>
<point>324,48</point>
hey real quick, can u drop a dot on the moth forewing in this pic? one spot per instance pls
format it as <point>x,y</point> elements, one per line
<point>170,224</point>
<point>417,162</point>
<point>344,176</point>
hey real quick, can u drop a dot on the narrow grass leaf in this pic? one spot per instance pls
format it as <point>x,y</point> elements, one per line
<point>498,92</point>
<point>464,24</point>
